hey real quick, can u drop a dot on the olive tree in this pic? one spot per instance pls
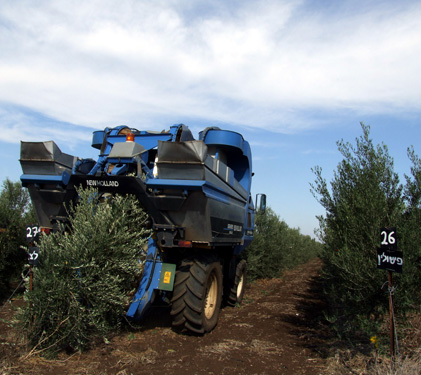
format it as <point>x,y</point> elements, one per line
<point>364,195</point>
<point>409,293</point>
<point>86,274</point>
<point>15,213</point>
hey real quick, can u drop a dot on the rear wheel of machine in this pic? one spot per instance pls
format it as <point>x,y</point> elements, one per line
<point>197,294</point>
<point>238,285</point>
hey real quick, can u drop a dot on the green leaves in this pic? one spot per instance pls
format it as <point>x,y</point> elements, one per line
<point>86,273</point>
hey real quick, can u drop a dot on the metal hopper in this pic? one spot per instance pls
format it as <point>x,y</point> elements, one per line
<point>46,172</point>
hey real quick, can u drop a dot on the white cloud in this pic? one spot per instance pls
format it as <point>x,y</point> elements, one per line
<point>258,64</point>
<point>17,125</point>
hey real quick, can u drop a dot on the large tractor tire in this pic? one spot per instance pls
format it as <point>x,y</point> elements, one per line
<point>237,285</point>
<point>197,295</point>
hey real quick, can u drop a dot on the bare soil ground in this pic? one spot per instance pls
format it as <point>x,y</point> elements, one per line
<point>276,330</point>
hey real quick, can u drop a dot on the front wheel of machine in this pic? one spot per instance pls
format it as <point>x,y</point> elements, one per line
<point>197,294</point>
<point>236,292</point>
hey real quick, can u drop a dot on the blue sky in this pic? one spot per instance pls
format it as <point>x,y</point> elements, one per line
<point>292,76</point>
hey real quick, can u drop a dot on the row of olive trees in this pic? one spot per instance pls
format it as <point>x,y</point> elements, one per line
<point>365,195</point>
<point>15,213</point>
<point>277,247</point>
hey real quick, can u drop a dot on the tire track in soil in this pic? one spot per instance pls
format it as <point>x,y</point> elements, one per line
<point>273,332</point>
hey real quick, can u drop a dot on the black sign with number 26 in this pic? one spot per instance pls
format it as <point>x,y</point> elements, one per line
<point>388,256</point>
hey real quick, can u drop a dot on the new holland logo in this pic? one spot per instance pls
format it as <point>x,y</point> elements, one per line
<point>101,183</point>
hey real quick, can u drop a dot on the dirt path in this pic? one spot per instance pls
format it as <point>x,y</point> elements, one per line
<point>274,332</point>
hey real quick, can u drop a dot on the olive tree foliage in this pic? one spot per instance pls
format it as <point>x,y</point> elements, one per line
<point>86,274</point>
<point>364,195</point>
<point>264,257</point>
<point>15,213</point>
<point>277,247</point>
<point>409,295</point>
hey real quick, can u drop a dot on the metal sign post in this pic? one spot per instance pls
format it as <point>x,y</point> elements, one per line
<point>390,259</point>
<point>31,277</point>
<point>391,316</point>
